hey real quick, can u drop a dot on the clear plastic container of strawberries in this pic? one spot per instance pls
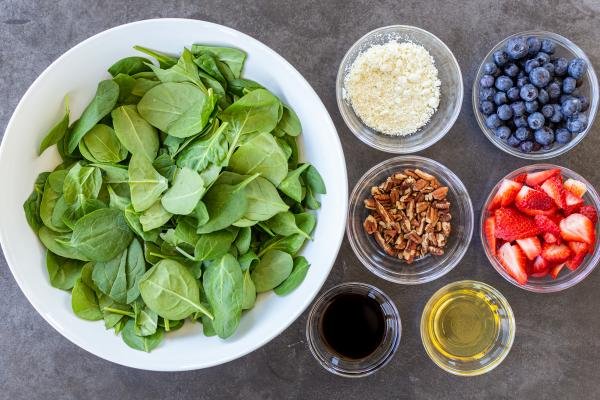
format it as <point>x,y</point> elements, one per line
<point>539,228</point>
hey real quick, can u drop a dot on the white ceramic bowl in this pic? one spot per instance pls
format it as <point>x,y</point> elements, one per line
<point>77,73</point>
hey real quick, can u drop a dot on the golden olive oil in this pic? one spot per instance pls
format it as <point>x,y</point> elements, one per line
<point>463,324</point>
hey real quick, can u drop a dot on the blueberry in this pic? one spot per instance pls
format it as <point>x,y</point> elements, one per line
<point>542,58</point>
<point>486,94</point>
<point>571,107</point>
<point>544,136</point>
<point>486,81</point>
<point>523,134</point>
<point>493,121</point>
<point>534,45</point>
<point>526,147</point>
<point>548,111</point>
<point>500,98</point>
<point>577,68</point>
<point>532,106</point>
<point>557,114</point>
<point>517,47</point>
<point>490,69</point>
<point>487,107</point>
<point>531,64</point>
<point>503,83</point>
<point>565,97</point>
<point>520,122</point>
<point>500,58</point>
<point>522,81</point>
<point>518,108</point>
<point>577,123</point>
<point>502,132</point>
<point>513,141</point>
<point>543,96</point>
<point>560,66</point>
<point>548,46</point>
<point>528,92</point>
<point>569,85</point>
<point>536,120</point>
<point>512,70</point>
<point>563,136</point>
<point>513,94</point>
<point>540,77</point>
<point>549,67</point>
<point>554,90</point>
<point>585,103</point>
<point>505,112</point>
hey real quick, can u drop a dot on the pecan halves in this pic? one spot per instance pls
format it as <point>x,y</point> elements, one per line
<point>409,215</point>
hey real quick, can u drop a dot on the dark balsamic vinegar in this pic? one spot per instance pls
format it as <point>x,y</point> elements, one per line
<point>353,325</point>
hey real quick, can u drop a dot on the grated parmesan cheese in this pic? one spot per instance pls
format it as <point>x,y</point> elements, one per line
<point>394,87</point>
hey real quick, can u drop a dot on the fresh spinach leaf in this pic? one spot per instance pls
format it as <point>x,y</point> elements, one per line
<point>185,193</point>
<point>291,185</point>
<point>213,245</point>
<point>248,292</point>
<point>260,155</point>
<point>234,58</point>
<point>164,60</point>
<point>223,285</point>
<point>154,217</point>
<point>145,183</point>
<point>101,105</point>
<point>170,290</point>
<point>314,181</point>
<point>84,302</point>
<point>62,272</point>
<point>31,206</point>
<point>144,343</point>
<point>110,278</point>
<point>284,224</point>
<point>129,66</point>
<point>136,135</point>
<point>101,235</point>
<point>296,277</point>
<point>272,269</point>
<point>58,131</point>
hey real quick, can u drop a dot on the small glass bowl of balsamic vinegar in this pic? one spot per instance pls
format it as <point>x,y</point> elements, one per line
<point>353,329</point>
<point>467,328</point>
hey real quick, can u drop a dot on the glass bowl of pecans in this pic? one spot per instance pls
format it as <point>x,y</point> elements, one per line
<point>410,220</point>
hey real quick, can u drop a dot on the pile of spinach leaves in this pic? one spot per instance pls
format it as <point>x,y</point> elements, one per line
<point>180,197</point>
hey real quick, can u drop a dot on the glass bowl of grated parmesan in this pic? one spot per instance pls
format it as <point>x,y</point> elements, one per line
<point>399,89</point>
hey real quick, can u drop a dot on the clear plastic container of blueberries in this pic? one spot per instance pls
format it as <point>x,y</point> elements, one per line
<point>588,87</point>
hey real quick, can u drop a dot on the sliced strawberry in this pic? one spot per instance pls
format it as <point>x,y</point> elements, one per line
<point>540,265</point>
<point>551,238</point>
<point>590,212</point>
<point>556,253</point>
<point>555,270</point>
<point>513,261</point>
<point>489,229</point>
<point>578,228</point>
<point>531,246</point>
<point>576,187</point>
<point>534,202</point>
<point>573,203</point>
<point>521,178</point>
<point>579,247</point>
<point>546,224</point>
<point>555,189</point>
<point>512,225</point>
<point>537,178</point>
<point>506,194</point>
<point>539,275</point>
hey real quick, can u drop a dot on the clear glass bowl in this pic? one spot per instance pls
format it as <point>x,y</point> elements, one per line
<point>589,88</point>
<point>495,354</point>
<point>566,278</point>
<point>352,368</point>
<point>451,91</point>
<point>429,267</point>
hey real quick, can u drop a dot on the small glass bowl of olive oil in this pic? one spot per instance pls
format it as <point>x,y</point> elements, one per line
<point>467,328</point>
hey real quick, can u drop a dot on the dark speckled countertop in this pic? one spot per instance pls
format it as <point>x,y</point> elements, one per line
<point>555,354</point>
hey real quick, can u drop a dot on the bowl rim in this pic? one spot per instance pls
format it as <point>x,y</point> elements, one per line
<point>368,138</point>
<point>551,286</point>
<point>450,263</point>
<point>594,88</point>
<point>512,326</point>
<point>334,244</point>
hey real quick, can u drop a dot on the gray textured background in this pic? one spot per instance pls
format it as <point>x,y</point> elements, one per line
<point>556,351</point>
